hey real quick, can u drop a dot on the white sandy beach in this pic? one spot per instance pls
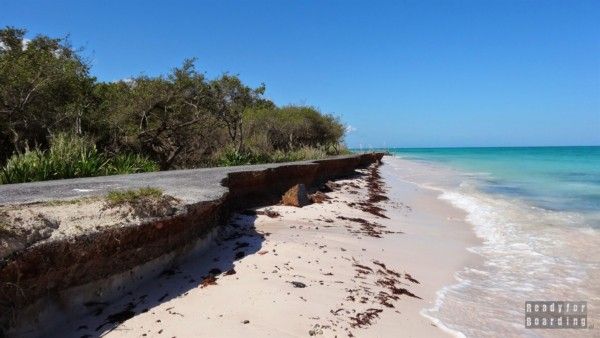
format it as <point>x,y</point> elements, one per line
<point>315,270</point>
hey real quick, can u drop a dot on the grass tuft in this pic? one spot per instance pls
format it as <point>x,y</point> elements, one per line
<point>55,203</point>
<point>133,195</point>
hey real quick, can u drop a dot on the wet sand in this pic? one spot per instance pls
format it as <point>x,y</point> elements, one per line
<point>363,263</point>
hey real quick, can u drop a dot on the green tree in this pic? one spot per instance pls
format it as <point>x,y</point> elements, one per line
<point>178,120</point>
<point>44,88</point>
<point>292,127</point>
<point>230,99</point>
<point>161,116</point>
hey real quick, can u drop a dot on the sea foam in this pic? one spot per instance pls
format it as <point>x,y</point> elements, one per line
<point>529,252</point>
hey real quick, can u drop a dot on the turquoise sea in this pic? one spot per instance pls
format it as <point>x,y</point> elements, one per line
<point>555,178</point>
<point>537,213</point>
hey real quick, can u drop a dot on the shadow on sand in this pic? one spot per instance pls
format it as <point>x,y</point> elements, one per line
<point>237,239</point>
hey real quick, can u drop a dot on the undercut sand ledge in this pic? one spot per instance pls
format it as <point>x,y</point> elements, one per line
<point>35,279</point>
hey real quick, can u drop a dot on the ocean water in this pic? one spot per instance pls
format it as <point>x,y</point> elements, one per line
<point>537,212</point>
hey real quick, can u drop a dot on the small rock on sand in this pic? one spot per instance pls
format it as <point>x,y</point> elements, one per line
<point>296,196</point>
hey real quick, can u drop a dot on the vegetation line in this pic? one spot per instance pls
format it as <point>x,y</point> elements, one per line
<point>58,121</point>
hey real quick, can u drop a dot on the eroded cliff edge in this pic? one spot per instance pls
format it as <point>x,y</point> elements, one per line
<point>47,268</point>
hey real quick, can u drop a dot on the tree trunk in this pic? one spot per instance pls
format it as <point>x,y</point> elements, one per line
<point>16,141</point>
<point>241,145</point>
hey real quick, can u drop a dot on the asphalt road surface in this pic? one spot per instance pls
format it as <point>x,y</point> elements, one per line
<point>191,186</point>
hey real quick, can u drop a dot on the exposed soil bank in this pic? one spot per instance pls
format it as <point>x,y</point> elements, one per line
<point>45,269</point>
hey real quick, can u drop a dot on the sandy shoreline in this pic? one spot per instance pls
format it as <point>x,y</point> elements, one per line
<point>326,269</point>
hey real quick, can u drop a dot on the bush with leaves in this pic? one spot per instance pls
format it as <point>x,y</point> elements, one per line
<point>70,157</point>
<point>145,123</point>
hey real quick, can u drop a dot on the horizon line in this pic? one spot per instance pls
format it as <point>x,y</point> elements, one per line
<point>457,147</point>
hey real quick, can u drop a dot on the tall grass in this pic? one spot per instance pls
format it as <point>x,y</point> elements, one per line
<point>231,157</point>
<point>26,167</point>
<point>301,154</point>
<point>129,163</point>
<point>69,157</point>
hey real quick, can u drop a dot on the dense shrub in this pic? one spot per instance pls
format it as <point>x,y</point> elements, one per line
<point>69,157</point>
<point>129,163</point>
<point>27,167</point>
<point>233,157</point>
<point>293,127</point>
<point>306,153</point>
<point>177,120</point>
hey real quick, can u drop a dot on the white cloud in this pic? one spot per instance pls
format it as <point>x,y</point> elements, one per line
<point>350,129</point>
<point>24,42</point>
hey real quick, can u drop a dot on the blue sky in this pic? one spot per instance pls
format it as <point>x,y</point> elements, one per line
<point>401,73</point>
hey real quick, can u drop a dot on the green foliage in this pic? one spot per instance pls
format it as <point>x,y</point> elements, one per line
<point>44,85</point>
<point>163,117</point>
<point>145,123</point>
<point>130,196</point>
<point>341,150</point>
<point>302,154</point>
<point>69,157</point>
<point>129,163</point>
<point>27,167</point>
<point>231,98</point>
<point>293,127</point>
<point>72,156</point>
<point>233,157</point>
